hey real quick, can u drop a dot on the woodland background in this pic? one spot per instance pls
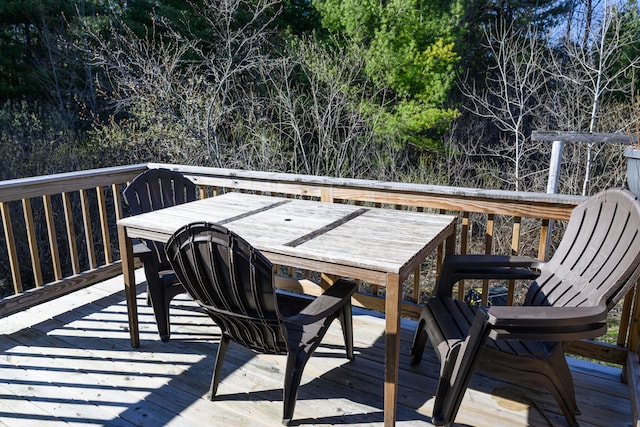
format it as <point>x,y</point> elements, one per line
<point>438,91</point>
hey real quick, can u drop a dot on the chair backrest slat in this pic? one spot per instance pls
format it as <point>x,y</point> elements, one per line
<point>232,281</point>
<point>157,189</point>
<point>598,256</point>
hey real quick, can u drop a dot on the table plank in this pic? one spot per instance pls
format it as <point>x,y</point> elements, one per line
<point>379,240</point>
<point>386,239</point>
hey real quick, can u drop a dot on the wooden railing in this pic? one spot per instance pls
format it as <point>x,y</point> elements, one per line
<point>59,233</point>
<point>75,213</point>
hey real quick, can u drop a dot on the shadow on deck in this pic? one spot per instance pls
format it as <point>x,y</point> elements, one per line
<point>69,362</point>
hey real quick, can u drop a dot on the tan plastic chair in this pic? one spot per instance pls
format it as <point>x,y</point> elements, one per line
<point>234,283</point>
<point>151,190</point>
<point>595,265</point>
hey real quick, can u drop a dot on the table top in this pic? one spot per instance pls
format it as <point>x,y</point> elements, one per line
<point>383,240</point>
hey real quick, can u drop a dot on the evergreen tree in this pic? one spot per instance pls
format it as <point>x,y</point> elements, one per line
<point>480,16</point>
<point>410,57</point>
<point>27,32</point>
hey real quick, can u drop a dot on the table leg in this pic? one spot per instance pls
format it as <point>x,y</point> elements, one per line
<point>126,257</point>
<point>392,348</point>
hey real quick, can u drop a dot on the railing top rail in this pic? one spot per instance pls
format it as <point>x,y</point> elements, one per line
<point>21,188</point>
<point>590,137</point>
<point>559,200</point>
<point>444,196</point>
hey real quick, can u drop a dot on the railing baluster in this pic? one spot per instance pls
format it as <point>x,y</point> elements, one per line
<point>488,249</point>
<point>53,239</point>
<point>117,200</point>
<point>104,225</point>
<point>464,245</point>
<point>515,250</point>
<point>544,238</point>
<point>326,194</point>
<point>71,233</point>
<point>33,243</point>
<point>11,247</point>
<point>415,295</point>
<point>625,317</point>
<point>464,235</point>
<point>440,253</point>
<point>634,333</point>
<point>88,229</point>
<point>416,283</point>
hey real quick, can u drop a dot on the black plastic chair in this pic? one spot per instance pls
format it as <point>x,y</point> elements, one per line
<point>595,265</point>
<point>152,190</point>
<point>234,283</point>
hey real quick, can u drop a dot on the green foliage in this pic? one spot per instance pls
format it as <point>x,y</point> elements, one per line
<point>34,141</point>
<point>298,18</point>
<point>410,53</point>
<point>326,112</point>
<point>543,16</point>
<point>414,122</point>
<point>24,41</point>
<point>627,36</point>
<point>356,19</point>
<point>360,88</point>
<point>183,17</point>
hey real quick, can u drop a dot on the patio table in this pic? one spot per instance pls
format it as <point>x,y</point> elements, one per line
<point>378,246</point>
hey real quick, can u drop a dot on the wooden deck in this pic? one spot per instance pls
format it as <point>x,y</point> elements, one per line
<point>69,361</point>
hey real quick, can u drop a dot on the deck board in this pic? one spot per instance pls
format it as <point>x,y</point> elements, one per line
<point>69,362</point>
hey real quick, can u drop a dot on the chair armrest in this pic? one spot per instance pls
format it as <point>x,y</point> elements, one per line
<point>141,250</point>
<point>542,323</point>
<point>491,267</point>
<point>336,296</point>
<point>153,271</point>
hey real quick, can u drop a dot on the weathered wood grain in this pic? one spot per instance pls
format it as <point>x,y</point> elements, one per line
<point>69,362</point>
<point>589,137</point>
<point>377,239</point>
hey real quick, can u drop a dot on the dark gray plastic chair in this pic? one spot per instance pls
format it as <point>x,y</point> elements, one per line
<point>234,283</point>
<point>152,190</point>
<point>595,265</point>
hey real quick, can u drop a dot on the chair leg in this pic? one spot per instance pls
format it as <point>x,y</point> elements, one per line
<point>419,342</point>
<point>156,295</point>
<point>160,307</point>
<point>548,371</point>
<point>457,370</point>
<point>296,360</point>
<point>443,394</point>
<point>561,386</point>
<point>217,367</point>
<point>346,322</point>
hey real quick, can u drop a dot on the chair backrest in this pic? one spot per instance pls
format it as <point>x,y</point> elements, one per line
<point>232,281</point>
<point>156,189</point>
<point>598,259</point>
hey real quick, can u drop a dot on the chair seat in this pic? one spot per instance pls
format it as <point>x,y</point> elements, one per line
<point>455,331</point>
<point>291,304</point>
<point>454,322</point>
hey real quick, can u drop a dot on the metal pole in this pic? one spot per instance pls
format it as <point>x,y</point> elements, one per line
<point>554,167</point>
<point>552,183</point>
